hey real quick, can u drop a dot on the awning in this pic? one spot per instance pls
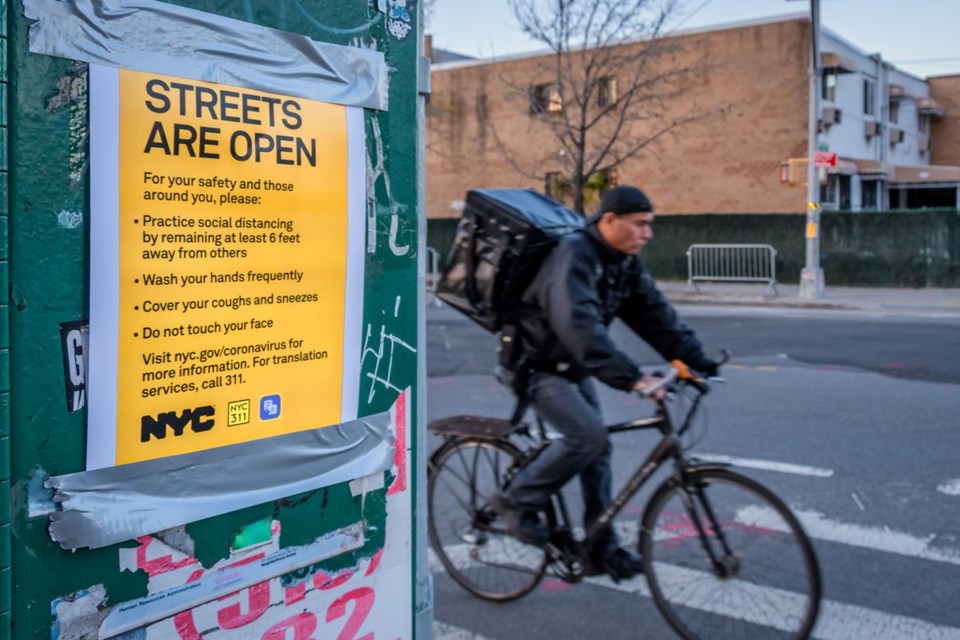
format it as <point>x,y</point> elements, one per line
<point>930,107</point>
<point>935,173</point>
<point>874,170</point>
<point>899,91</point>
<point>844,167</point>
<point>834,63</point>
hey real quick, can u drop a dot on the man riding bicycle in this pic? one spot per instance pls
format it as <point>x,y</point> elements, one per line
<point>590,277</point>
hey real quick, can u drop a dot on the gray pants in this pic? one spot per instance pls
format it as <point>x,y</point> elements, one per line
<point>573,409</point>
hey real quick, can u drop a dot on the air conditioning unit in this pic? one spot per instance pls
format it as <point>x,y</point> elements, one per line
<point>896,136</point>
<point>831,115</point>
<point>871,129</point>
<point>924,144</point>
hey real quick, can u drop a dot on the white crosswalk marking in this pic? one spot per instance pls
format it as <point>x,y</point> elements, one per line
<point>884,539</point>
<point>443,631</point>
<point>838,620</point>
<point>768,465</point>
<point>950,487</point>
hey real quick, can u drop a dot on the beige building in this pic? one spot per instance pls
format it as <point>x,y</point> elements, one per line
<point>945,90</point>
<point>747,103</point>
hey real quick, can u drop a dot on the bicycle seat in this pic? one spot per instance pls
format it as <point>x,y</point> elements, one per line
<point>474,426</point>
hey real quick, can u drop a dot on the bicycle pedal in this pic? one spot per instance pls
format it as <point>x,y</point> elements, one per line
<point>569,573</point>
<point>476,538</point>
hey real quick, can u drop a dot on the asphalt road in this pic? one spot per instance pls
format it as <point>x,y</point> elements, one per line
<point>905,348</point>
<point>852,420</point>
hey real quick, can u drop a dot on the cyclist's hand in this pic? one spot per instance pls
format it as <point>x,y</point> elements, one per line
<point>648,381</point>
<point>704,366</point>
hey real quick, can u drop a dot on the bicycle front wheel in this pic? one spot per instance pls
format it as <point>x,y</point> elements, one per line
<point>725,558</point>
<point>468,539</point>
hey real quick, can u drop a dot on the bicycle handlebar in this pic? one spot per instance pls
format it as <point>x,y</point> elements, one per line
<point>680,370</point>
<point>666,380</point>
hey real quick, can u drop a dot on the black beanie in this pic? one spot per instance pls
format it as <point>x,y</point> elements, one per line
<point>625,199</point>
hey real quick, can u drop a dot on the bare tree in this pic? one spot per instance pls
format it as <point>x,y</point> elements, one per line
<point>614,84</point>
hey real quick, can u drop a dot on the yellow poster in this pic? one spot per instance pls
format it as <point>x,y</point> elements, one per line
<point>232,252</point>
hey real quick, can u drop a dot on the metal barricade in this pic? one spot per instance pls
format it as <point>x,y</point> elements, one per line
<point>732,263</point>
<point>433,276</point>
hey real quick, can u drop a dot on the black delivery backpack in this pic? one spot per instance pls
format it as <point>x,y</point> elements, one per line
<point>502,238</point>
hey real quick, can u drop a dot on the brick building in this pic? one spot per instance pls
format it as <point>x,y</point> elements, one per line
<point>750,97</point>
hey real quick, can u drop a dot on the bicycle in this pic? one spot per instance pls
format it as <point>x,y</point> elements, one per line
<point>714,542</point>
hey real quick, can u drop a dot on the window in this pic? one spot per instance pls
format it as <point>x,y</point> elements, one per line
<point>835,192</point>
<point>606,91</point>
<point>829,190</point>
<point>545,98</point>
<point>868,195</point>
<point>894,111</point>
<point>828,86</point>
<point>844,187</point>
<point>869,97</point>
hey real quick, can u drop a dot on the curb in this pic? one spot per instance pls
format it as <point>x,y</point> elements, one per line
<point>757,301</point>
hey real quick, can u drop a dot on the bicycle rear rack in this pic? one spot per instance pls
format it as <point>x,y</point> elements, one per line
<point>476,427</point>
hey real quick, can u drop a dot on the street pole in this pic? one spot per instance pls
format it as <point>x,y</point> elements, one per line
<point>811,278</point>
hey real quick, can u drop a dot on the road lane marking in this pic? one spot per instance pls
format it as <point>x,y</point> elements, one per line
<point>950,487</point>
<point>767,465</point>
<point>838,620</point>
<point>857,500</point>
<point>883,539</point>
<point>444,631</point>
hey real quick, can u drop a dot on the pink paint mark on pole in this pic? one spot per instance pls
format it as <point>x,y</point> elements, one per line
<point>400,446</point>
<point>374,563</point>
<point>160,564</point>
<point>294,594</point>
<point>303,625</point>
<point>362,599</point>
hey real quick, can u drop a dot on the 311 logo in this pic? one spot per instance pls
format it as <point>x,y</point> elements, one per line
<point>270,407</point>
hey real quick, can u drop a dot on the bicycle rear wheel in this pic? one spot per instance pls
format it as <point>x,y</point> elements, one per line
<point>468,539</point>
<point>763,580</point>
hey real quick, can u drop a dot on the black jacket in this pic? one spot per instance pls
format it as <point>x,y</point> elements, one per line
<point>580,288</point>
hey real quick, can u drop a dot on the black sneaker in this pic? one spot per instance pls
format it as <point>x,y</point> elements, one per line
<point>619,564</point>
<point>522,524</point>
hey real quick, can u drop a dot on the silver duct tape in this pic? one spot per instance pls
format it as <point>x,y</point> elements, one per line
<point>155,37</point>
<point>106,506</point>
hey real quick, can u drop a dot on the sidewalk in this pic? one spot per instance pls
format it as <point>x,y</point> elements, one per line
<point>927,302</point>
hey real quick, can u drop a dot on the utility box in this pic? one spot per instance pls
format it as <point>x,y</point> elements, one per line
<point>211,387</point>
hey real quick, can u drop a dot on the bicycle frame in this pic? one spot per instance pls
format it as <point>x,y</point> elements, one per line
<point>668,448</point>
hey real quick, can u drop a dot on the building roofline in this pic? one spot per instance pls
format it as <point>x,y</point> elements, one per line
<point>725,26</point>
<point>847,43</point>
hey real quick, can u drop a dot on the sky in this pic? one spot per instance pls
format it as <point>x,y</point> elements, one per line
<point>918,36</point>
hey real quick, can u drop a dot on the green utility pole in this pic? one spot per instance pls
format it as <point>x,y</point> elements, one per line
<point>211,363</point>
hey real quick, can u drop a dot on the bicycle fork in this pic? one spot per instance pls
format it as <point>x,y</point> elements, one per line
<point>726,566</point>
